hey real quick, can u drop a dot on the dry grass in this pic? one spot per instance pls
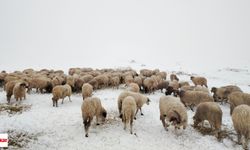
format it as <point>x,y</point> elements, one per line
<point>14,108</point>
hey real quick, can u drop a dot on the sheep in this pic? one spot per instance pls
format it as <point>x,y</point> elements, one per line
<point>193,98</point>
<point>138,80</point>
<point>128,112</point>
<point>8,87</point>
<point>60,92</point>
<point>241,122</point>
<point>149,85</point>
<point>162,85</point>
<point>162,74</point>
<point>115,81</point>
<point>70,80</point>
<point>238,98</point>
<point>102,81</point>
<point>40,83</point>
<point>172,111</point>
<point>134,87</point>
<point>91,107</point>
<point>94,83</point>
<point>128,79</point>
<point>173,77</point>
<point>199,81</point>
<point>146,72</point>
<point>211,112</point>
<point>139,98</point>
<point>19,90</point>
<point>172,88</point>
<point>87,90</point>
<point>183,83</point>
<point>221,94</point>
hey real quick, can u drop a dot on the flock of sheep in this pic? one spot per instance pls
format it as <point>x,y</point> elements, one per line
<point>173,105</point>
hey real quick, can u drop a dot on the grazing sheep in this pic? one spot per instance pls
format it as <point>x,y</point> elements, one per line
<point>221,94</point>
<point>128,112</point>
<point>172,88</point>
<point>87,90</point>
<point>162,74</point>
<point>183,83</point>
<point>60,92</point>
<point>163,85</point>
<point>211,112</point>
<point>149,85</point>
<point>115,81</point>
<point>172,111</point>
<point>91,107</point>
<point>193,98</point>
<point>173,77</point>
<point>19,90</point>
<point>40,83</point>
<point>138,80</point>
<point>241,122</point>
<point>94,83</point>
<point>199,81</point>
<point>139,98</point>
<point>102,80</point>
<point>238,98</point>
<point>134,87</point>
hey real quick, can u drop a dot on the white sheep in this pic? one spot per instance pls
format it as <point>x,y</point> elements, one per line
<point>92,107</point>
<point>172,111</point>
<point>128,112</point>
<point>139,98</point>
<point>134,87</point>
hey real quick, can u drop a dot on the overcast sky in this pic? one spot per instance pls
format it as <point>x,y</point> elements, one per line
<point>60,33</point>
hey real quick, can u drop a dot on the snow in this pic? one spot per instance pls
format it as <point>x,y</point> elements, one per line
<point>62,127</point>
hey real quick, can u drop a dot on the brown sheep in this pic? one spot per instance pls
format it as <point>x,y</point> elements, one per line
<point>199,81</point>
<point>60,92</point>
<point>19,90</point>
<point>9,86</point>
<point>238,98</point>
<point>221,94</point>
<point>193,98</point>
<point>87,90</point>
<point>173,77</point>
<point>241,122</point>
<point>211,112</point>
<point>134,87</point>
<point>163,85</point>
<point>91,107</point>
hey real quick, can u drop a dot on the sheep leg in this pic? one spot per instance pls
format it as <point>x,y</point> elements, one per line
<point>136,111</point>
<point>97,121</point>
<point>62,100</point>
<point>245,145</point>
<point>57,103</point>
<point>141,112</point>
<point>131,125</point>
<point>70,99</point>
<point>239,138</point>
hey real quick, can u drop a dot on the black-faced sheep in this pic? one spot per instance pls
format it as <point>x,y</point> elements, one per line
<point>199,81</point>
<point>211,112</point>
<point>60,92</point>
<point>241,122</point>
<point>172,88</point>
<point>128,112</point>
<point>172,111</point>
<point>91,107</point>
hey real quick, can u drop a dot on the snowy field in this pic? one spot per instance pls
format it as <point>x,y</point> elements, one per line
<point>62,127</point>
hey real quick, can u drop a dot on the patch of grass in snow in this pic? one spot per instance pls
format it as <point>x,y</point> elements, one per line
<point>223,134</point>
<point>19,139</point>
<point>12,109</point>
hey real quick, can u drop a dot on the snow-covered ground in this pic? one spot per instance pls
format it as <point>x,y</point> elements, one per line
<point>62,127</point>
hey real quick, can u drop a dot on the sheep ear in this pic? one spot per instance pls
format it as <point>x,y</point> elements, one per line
<point>178,117</point>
